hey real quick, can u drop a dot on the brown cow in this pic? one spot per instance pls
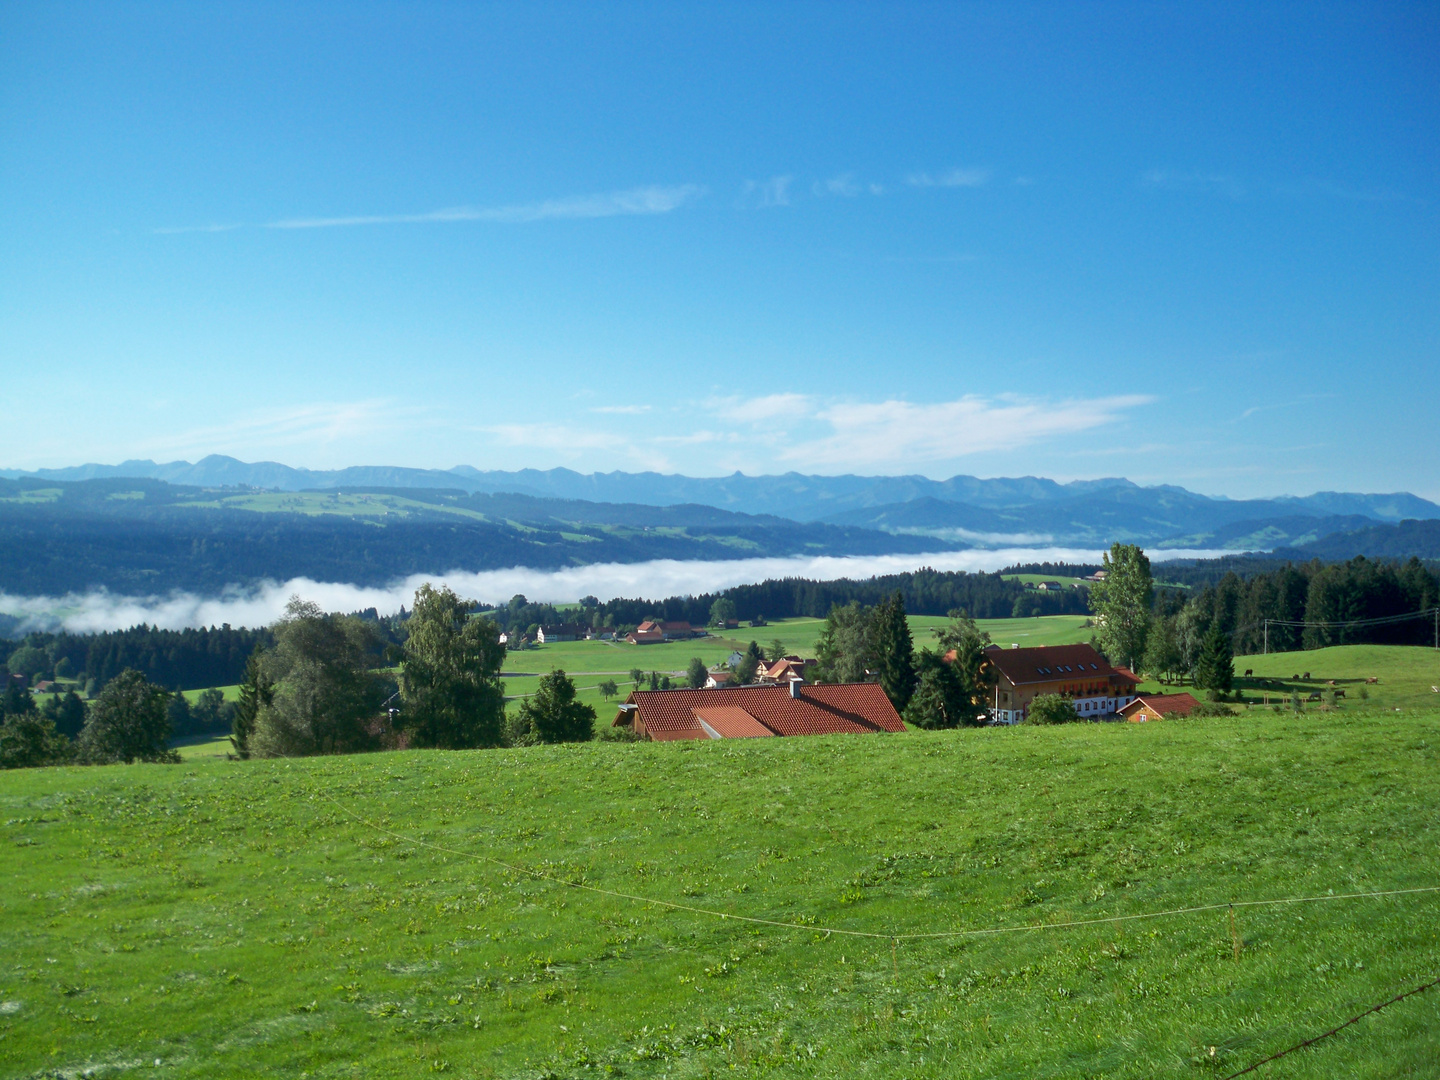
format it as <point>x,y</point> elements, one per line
<point>1307,676</point>
<point>1249,671</point>
<point>1373,679</point>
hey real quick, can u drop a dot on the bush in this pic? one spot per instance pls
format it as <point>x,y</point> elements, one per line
<point>1051,709</point>
<point>552,715</point>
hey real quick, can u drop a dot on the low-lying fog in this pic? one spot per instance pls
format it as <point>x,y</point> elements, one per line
<point>654,580</point>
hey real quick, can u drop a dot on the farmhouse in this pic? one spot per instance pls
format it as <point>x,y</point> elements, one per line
<point>560,632</point>
<point>651,631</point>
<point>784,670</point>
<point>748,712</point>
<point>1078,672</point>
<point>1157,707</point>
<point>720,679</point>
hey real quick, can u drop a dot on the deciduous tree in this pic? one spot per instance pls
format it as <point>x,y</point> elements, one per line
<point>324,694</point>
<point>128,722</point>
<point>1122,603</point>
<point>450,681</point>
<point>845,649</point>
<point>697,673</point>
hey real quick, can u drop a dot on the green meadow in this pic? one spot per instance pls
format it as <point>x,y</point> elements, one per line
<point>407,913</point>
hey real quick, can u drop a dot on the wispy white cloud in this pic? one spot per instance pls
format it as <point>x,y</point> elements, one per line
<point>654,199</point>
<point>622,410</point>
<point>844,185</point>
<point>950,178</point>
<point>312,424</point>
<point>196,229</point>
<point>761,409</point>
<point>1212,183</point>
<point>772,192</point>
<point>576,443</point>
<point>887,433</point>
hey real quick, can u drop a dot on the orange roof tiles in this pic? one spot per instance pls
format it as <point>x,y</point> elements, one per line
<point>855,708</point>
<point>1160,704</point>
<point>730,722</point>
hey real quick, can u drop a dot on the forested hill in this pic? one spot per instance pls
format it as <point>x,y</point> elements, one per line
<point>147,536</point>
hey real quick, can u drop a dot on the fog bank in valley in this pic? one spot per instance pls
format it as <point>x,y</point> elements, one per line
<point>259,606</point>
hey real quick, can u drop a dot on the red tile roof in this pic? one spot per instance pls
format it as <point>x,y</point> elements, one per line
<point>1052,663</point>
<point>1160,704</point>
<point>856,708</point>
<point>730,722</point>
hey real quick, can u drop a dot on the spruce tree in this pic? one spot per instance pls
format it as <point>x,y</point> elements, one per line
<point>895,652</point>
<point>255,693</point>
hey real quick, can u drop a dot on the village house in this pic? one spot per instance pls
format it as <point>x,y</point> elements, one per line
<point>1098,690</point>
<point>747,712</point>
<point>651,631</point>
<point>1158,706</point>
<point>784,669</point>
<point>561,632</point>
<point>719,679</point>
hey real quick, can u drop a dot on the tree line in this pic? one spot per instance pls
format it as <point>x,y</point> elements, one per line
<point>1176,634</point>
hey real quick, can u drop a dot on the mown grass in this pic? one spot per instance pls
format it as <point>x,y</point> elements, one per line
<point>227,918</point>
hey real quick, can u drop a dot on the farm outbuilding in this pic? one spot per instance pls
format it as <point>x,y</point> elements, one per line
<point>1158,706</point>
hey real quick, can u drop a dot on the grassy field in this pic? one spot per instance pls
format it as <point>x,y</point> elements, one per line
<point>1406,675</point>
<point>223,918</point>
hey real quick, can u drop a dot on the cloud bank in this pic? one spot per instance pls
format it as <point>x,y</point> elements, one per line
<point>654,580</point>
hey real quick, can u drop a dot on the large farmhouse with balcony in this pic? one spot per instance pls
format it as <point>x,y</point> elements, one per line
<point>1098,690</point>
<point>750,712</point>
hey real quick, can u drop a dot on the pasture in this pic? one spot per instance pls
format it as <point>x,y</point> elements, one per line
<point>279,918</point>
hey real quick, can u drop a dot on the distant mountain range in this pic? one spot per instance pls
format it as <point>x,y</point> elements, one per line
<point>961,510</point>
<point>139,536</point>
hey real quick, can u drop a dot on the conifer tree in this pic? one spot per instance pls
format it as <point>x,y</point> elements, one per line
<point>894,651</point>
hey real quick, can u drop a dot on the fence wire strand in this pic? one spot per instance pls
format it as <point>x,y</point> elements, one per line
<point>673,905</point>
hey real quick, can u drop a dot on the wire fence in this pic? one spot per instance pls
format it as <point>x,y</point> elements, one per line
<point>896,938</point>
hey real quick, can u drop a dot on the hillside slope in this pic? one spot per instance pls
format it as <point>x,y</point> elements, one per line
<point>147,536</point>
<point>242,918</point>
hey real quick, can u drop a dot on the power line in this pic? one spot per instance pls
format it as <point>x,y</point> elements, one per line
<point>1335,1029</point>
<point>877,935</point>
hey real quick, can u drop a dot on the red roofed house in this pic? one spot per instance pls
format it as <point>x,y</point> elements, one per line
<point>1157,707</point>
<point>647,633</point>
<point>651,631</point>
<point>783,670</point>
<point>747,712</point>
<point>1098,690</point>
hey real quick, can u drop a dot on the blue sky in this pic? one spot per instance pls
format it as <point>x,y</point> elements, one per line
<point>1191,244</point>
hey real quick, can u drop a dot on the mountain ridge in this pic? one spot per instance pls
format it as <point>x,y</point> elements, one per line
<point>792,495</point>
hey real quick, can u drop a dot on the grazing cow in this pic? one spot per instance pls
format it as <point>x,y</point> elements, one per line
<point>1314,695</point>
<point>1372,680</point>
<point>1249,671</point>
<point>1329,682</point>
<point>1294,678</point>
<point>1339,694</point>
<point>1307,676</point>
